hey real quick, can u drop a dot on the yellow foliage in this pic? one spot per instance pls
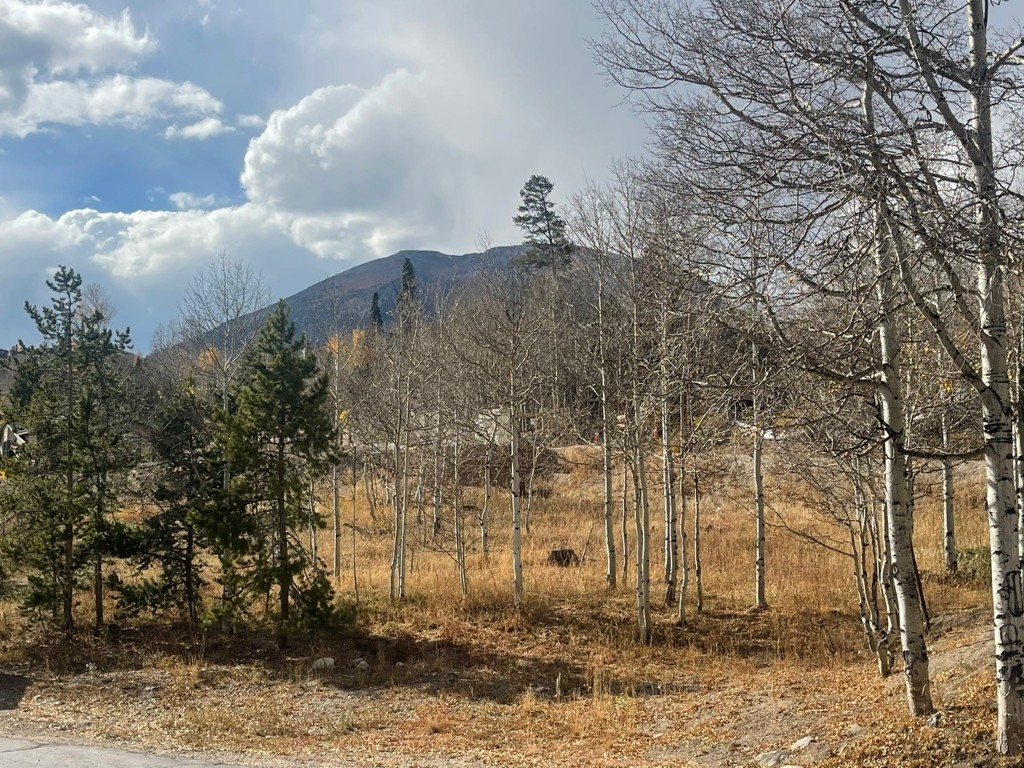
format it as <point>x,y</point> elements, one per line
<point>208,357</point>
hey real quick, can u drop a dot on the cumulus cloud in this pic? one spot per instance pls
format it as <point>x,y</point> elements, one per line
<point>51,54</point>
<point>61,38</point>
<point>117,100</point>
<point>204,129</point>
<point>251,121</point>
<point>187,201</point>
<point>357,169</point>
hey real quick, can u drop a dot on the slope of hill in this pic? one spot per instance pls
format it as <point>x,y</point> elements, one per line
<point>343,301</point>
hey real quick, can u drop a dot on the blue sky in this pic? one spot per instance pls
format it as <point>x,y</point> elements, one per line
<point>139,140</point>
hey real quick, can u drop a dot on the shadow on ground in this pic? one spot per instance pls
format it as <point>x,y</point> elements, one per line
<point>12,689</point>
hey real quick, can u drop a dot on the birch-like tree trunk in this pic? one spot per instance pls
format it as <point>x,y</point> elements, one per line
<point>458,523</point>
<point>897,493</point>
<point>760,599</point>
<point>642,526</point>
<point>698,563</point>
<point>485,507</point>
<point>948,520</point>
<point>668,482</point>
<point>516,490</point>
<point>606,439</point>
<point>684,571</point>
<point>625,517</point>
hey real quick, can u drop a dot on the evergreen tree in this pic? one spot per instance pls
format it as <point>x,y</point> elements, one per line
<point>546,237</point>
<point>407,304</point>
<point>281,433</point>
<point>408,290</point>
<point>189,495</point>
<point>71,392</point>
<point>376,319</point>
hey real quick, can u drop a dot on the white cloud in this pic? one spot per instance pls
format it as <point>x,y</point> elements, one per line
<point>202,130</point>
<point>187,201</point>
<point>251,121</point>
<point>60,38</point>
<point>51,57</point>
<point>357,169</point>
<point>116,100</point>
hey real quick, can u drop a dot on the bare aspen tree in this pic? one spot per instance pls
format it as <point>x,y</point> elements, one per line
<point>220,317</point>
<point>499,334</point>
<point>591,221</point>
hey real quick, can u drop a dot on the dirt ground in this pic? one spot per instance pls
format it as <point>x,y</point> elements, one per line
<point>456,696</point>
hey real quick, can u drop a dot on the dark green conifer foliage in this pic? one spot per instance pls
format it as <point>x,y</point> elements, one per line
<point>376,319</point>
<point>190,500</point>
<point>281,432</point>
<point>544,228</point>
<point>408,290</point>
<point>71,392</point>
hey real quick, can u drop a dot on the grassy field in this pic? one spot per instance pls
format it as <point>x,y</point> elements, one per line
<point>561,682</point>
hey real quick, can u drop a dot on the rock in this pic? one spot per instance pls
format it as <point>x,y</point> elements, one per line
<point>361,664</point>
<point>772,759</point>
<point>935,720</point>
<point>803,743</point>
<point>324,664</point>
<point>853,730</point>
<point>399,665</point>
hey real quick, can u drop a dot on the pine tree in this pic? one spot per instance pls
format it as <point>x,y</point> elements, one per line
<point>281,433</point>
<point>546,237</point>
<point>71,392</point>
<point>189,496</point>
<point>408,290</point>
<point>376,318</point>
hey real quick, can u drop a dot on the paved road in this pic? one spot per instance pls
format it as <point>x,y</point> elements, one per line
<point>21,753</point>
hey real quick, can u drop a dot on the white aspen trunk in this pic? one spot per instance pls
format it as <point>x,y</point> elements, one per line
<point>485,544</point>
<point>892,609</point>
<point>402,571</point>
<point>625,517</point>
<point>516,489</point>
<point>335,473</point>
<point>642,524</point>
<point>458,524</point>
<point>760,600</point>
<point>866,591</point>
<point>312,518</point>
<point>948,520</point>
<point>698,565</point>
<point>1018,451</point>
<point>396,507</point>
<point>336,488</point>
<point>668,482</point>
<point>898,500</point>
<point>1017,397</point>
<point>438,447</point>
<point>609,499</point>
<point>997,419</point>
<point>684,571</point>
<point>355,573</point>
<point>606,442</point>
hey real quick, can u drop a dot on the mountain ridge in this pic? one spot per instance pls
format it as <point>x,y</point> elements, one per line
<point>342,302</point>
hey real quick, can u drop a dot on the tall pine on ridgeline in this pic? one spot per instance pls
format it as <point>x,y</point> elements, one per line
<point>549,245</point>
<point>281,434</point>
<point>376,318</point>
<point>407,292</point>
<point>71,392</point>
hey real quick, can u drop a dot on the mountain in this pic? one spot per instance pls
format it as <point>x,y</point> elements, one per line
<point>343,301</point>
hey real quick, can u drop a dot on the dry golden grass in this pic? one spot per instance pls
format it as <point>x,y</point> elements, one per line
<point>562,681</point>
